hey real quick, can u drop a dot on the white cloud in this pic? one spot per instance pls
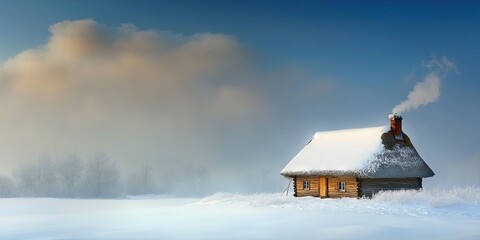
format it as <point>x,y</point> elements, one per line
<point>91,87</point>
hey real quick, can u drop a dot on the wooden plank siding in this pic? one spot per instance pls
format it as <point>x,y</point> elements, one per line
<point>351,187</point>
<point>370,186</point>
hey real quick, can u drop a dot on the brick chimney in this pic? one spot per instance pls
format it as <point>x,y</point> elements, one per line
<point>396,125</point>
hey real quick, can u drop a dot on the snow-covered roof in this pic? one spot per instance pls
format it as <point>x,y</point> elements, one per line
<point>363,152</point>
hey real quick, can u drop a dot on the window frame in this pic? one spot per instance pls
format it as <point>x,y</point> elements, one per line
<point>306,185</point>
<point>342,186</point>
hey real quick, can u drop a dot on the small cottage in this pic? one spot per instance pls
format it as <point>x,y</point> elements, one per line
<point>357,162</point>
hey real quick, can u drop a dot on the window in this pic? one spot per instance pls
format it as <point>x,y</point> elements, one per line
<point>306,185</point>
<point>341,186</point>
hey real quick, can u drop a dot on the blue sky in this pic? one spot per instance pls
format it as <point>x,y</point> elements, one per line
<point>323,37</point>
<point>315,65</point>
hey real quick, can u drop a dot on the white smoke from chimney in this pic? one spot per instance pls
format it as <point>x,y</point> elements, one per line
<point>428,90</point>
<point>423,93</point>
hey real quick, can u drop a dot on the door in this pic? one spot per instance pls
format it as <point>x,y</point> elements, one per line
<point>323,187</point>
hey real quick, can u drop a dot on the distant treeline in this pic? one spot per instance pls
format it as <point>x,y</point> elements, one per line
<point>99,177</point>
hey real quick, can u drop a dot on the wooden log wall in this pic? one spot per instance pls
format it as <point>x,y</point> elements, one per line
<point>351,187</point>
<point>313,191</point>
<point>295,187</point>
<point>370,186</point>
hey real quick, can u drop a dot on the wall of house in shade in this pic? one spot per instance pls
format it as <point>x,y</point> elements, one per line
<point>370,186</point>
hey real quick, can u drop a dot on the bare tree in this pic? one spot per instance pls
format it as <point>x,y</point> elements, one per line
<point>102,178</point>
<point>146,178</point>
<point>37,180</point>
<point>141,181</point>
<point>26,180</point>
<point>70,174</point>
<point>70,177</point>
<point>7,187</point>
<point>47,179</point>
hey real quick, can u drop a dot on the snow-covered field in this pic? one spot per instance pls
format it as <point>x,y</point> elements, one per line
<point>449,214</point>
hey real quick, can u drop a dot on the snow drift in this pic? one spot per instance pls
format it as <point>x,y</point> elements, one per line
<point>382,203</point>
<point>436,214</point>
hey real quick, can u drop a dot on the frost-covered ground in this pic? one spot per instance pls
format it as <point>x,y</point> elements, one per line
<point>451,214</point>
